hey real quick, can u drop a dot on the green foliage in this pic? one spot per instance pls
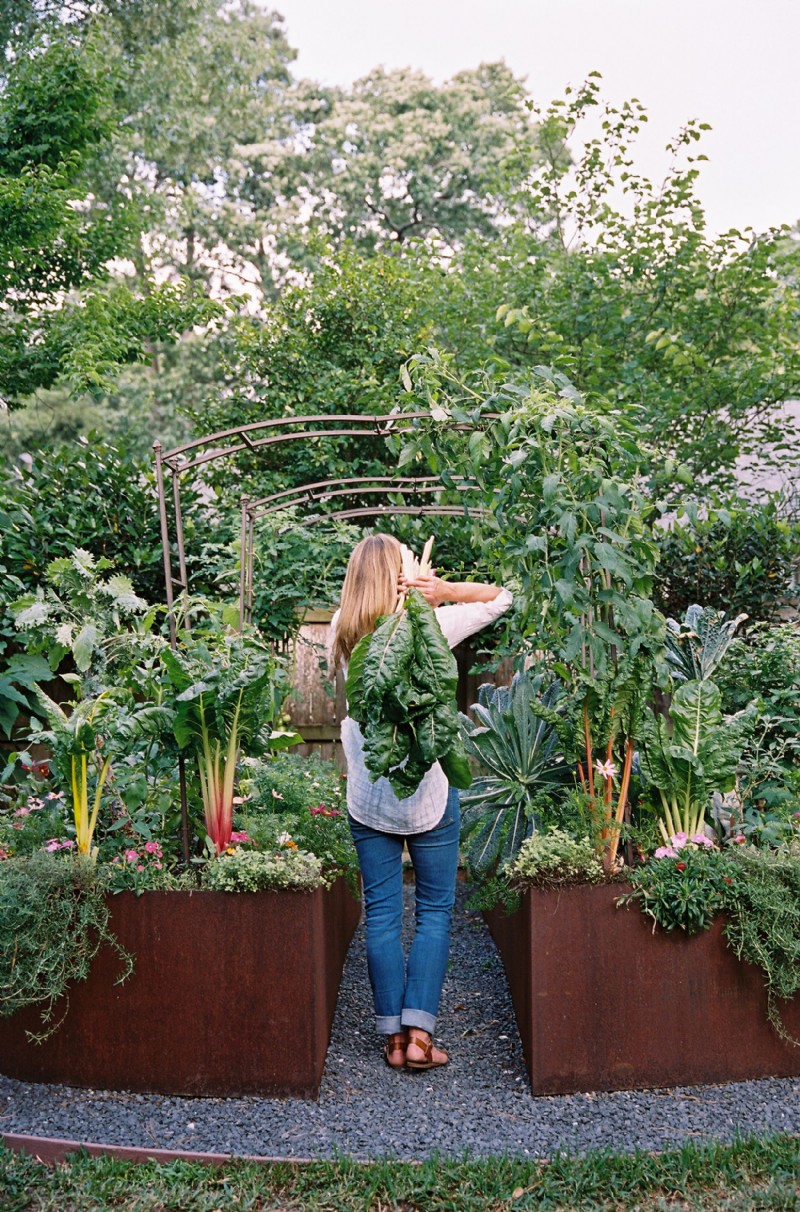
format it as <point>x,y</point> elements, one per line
<point>517,746</point>
<point>260,871</point>
<point>81,613</point>
<point>296,567</point>
<point>740,558</point>
<point>549,859</point>
<point>99,497</point>
<point>697,645</point>
<point>397,157</point>
<point>764,921</point>
<point>766,663</point>
<point>686,893</point>
<point>53,921</point>
<point>58,105</point>
<point>291,783</point>
<point>401,689</point>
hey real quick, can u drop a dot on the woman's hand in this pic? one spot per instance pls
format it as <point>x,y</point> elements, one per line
<point>434,590</point>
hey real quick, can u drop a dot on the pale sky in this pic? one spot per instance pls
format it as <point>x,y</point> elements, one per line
<point>732,63</point>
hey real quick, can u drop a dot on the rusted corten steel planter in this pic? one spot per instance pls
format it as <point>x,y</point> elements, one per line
<point>232,993</point>
<point>604,1003</point>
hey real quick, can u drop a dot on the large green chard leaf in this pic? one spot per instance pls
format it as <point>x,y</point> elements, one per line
<point>436,665</point>
<point>401,683</point>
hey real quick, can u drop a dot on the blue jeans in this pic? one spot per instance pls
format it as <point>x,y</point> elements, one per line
<point>407,995</point>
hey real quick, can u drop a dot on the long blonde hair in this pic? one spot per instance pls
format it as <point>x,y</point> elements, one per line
<point>369,590</point>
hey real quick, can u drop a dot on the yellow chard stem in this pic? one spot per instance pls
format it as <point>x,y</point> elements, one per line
<point>98,792</point>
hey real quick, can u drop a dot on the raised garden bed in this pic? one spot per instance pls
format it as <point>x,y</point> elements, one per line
<point>605,1002</point>
<point>232,993</point>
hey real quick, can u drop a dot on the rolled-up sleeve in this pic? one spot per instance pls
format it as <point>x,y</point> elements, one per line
<point>463,619</point>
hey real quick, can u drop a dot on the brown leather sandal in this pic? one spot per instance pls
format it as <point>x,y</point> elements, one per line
<point>424,1042</point>
<point>394,1050</point>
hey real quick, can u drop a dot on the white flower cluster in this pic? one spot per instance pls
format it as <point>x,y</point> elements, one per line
<point>556,858</point>
<point>259,871</point>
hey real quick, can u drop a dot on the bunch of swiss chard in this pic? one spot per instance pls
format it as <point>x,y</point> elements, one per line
<point>401,688</point>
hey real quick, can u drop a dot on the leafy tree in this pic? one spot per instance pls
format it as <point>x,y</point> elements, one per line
<point>397,157</point>
<point>57,107</point>
<point>616,282</point>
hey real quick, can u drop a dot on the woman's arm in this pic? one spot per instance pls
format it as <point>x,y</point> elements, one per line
<point>437,592</point>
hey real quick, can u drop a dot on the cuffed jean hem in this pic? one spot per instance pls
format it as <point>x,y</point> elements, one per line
<point>388,1024</point>
<point>419,1018</point>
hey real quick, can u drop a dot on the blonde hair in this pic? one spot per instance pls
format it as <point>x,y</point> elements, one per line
<point>370,590</point>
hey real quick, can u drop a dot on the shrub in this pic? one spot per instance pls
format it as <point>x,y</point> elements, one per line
<point>737,559</point>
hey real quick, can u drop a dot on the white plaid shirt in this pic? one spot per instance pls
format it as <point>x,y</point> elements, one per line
<point>375,804</point>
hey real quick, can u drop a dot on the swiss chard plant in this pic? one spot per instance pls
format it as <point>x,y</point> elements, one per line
<point>84,744</point>
<point>692,754</point>
<point>223,686</point>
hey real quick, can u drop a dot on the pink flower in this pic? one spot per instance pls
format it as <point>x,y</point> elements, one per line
<point>240,799</point>
<point>158,865</point>
<point>700,839</point>
<point>52,844</point>
<point>140,867</point>
<point>131,856</point>
<point>152,848</point>
<point>666,852</point>
<point>67,844</point>
<point>22,812</point>
<point>317,811</point>
<point>739,840</point>
<point>240,836</point>
<point>276,795</point>
<point>607,770</point>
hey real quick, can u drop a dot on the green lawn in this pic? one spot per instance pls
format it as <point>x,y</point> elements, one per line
<point>758,1173</point>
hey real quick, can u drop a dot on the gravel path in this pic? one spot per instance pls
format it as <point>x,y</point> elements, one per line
<point>481,1103</point>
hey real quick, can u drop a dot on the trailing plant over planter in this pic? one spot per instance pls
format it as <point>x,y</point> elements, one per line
<point>53,921</point>
<point>759,892</point>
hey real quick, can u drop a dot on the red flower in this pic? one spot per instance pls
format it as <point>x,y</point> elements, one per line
<point>727,879</point>
<point>680,866</point>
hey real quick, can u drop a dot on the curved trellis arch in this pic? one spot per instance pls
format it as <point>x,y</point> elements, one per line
<point>173,464</point>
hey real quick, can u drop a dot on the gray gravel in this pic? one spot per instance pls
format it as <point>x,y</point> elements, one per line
<point>481,1103</point>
